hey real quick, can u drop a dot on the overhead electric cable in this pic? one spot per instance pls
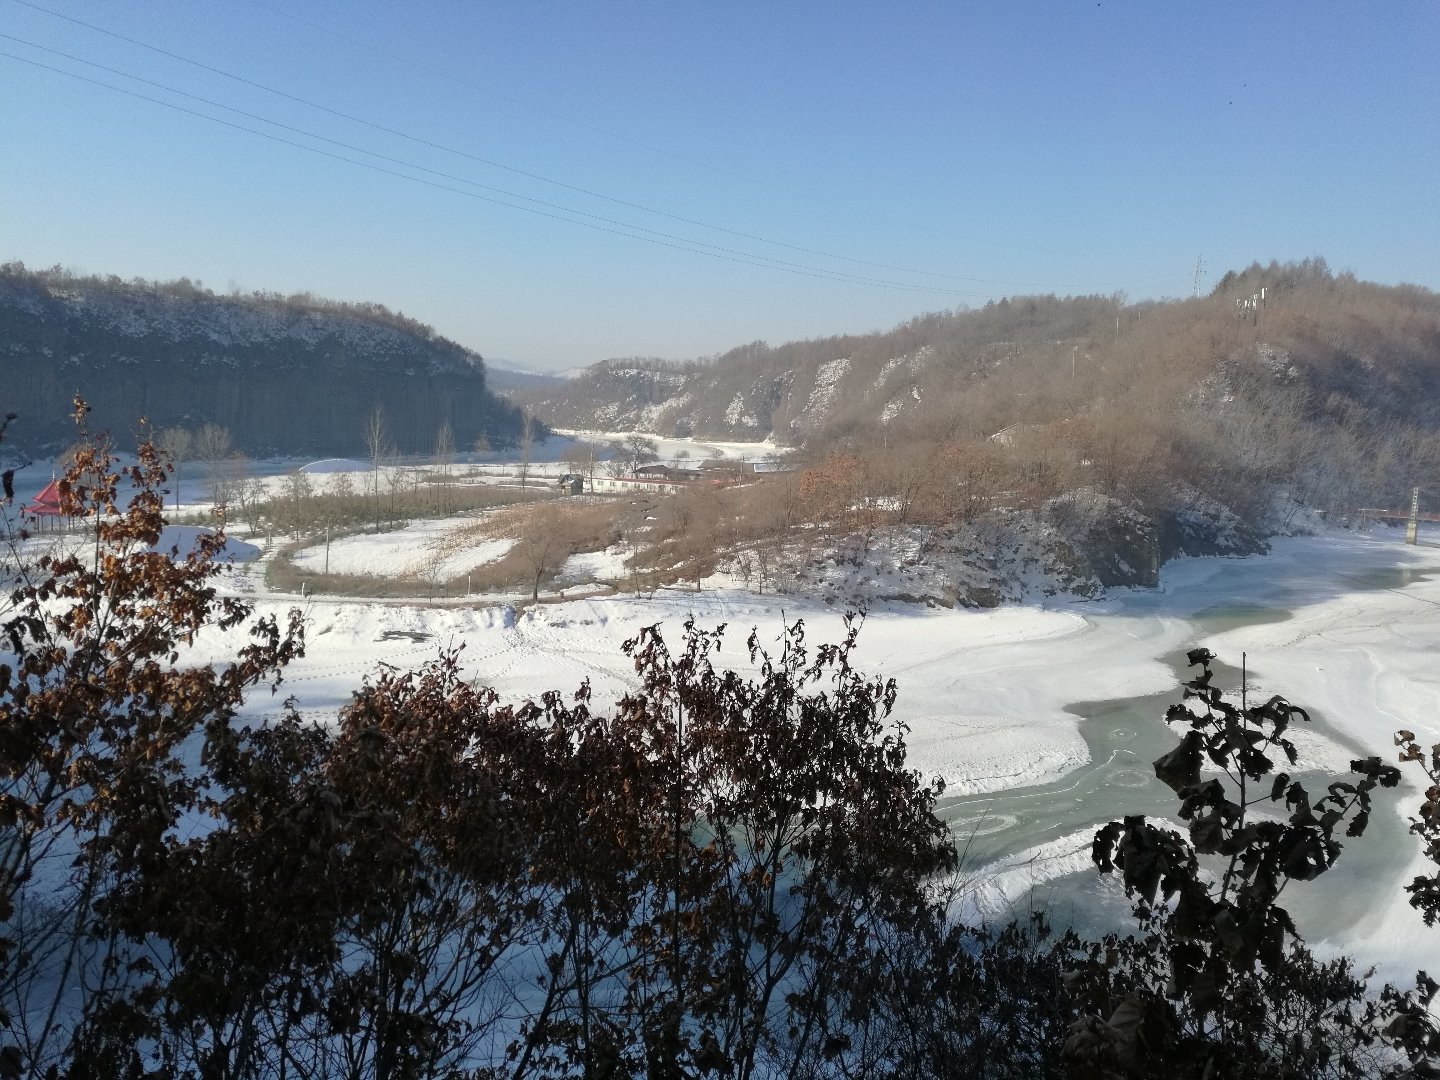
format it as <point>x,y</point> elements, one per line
<point>420,140</point>
<point>564,118</point>
<point>838,275</point>
<point>632,232</point>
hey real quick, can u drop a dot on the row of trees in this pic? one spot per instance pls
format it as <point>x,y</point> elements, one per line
<point>58,277</point>
<point>233,490</point>
<point>287,378</point>
<point>210,444</point>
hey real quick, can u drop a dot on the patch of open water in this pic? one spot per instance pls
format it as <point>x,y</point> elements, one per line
<point>1124,737</point>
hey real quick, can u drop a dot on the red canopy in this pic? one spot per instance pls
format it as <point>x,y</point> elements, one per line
<point>47,503</point>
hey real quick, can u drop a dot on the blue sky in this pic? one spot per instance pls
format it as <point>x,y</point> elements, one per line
<point>972,150</point>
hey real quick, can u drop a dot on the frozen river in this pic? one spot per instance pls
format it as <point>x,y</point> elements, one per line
<point>1348,629</point>
<point>1043,719</point>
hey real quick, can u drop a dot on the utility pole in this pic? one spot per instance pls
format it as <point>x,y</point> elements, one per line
<point>1073,350</point>
<point>1199,272</point>
<point>1412,527</point>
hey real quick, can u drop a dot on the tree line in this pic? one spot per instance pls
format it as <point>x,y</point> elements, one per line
<point>184,288</point>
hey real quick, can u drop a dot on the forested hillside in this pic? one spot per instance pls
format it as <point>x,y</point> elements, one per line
<point>285,375</point>
<point>1327,383</point>
<point>1061,444</point>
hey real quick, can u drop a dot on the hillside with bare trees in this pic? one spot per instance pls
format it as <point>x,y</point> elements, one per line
<point>1079,440</point>
<point>1327,344</point>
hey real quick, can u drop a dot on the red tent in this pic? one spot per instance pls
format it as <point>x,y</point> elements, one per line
<point>47,503</point>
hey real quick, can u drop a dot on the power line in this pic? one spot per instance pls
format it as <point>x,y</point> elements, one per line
<point>681,244</point>
<point>420,140</point>
<point>447,149</point>
<point>839,275</point>
<point>697,163</point>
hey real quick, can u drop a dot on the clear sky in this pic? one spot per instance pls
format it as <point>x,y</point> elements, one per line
<point>971,150</point>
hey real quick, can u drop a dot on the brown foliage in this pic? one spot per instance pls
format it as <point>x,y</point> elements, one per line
<point>830,489</point>
<point>96,715</point>
<point>717,876</point>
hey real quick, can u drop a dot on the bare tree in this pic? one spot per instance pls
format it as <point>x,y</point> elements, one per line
<point>543,542</point>
<point>970,480</point>
<point>395,484</point>
<point>432,570</point>
<point>177,444</point>
<point>377,448</point>
<point>582,458</point>
<point>526,443</point>
<point>212,443</point>
<point>212,446</point>
<point>297,489</point>
<point>629,453</point>
<point>445,463</point>
<point>691,519</point>
<point>251,494</point>
<point>765,555</point>
<point>638,450</point>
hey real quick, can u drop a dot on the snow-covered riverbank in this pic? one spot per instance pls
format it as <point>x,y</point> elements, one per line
<point>1347,625</point>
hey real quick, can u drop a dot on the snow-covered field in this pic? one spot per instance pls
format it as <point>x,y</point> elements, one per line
<point>547,460</point>
<point>182,540</point>
<point>442,548</point>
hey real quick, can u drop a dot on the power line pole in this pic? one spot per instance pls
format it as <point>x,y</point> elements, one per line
<point>1199,272</point>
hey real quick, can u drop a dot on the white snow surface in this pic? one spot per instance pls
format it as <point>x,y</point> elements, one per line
<point>335,465</point>
<point>442,548</point>
<point>181,540</point>
<point>982,692</point>
<point>827,382</point>
<point>607,565</point>
<point>735,412</point>
<point>669,448</point>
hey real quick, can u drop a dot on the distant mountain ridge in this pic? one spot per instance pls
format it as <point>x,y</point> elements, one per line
<point>507,377</point>
<point>792,391</point>
<point>1037,360</point>
<point>286,375</point>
